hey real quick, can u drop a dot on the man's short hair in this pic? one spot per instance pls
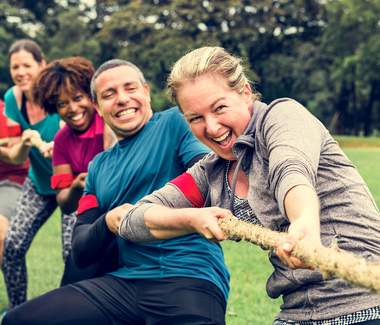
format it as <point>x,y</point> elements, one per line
<point>110,65</point>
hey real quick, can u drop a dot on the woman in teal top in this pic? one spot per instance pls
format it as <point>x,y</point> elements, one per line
<point>37,201</point>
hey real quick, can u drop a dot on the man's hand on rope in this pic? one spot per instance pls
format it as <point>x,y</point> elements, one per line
<point>80,181</point>
<point>114,217</point>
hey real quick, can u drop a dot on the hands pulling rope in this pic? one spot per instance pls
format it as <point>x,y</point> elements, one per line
<point>331,261</point>
<point>32,138</point>
<point>45,148</point>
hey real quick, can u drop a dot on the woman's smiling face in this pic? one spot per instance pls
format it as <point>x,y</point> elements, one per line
<point>24,69</point>
<point>217,114</point>
<point>76,110</point>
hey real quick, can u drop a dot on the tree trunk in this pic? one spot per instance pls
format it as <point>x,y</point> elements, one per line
<point>368,110</point>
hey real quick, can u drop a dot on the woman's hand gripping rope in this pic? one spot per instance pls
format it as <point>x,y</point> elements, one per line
<point>331,261</point>
<point>33,139</point>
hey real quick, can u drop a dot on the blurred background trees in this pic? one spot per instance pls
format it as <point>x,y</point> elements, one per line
<point>324,53</point>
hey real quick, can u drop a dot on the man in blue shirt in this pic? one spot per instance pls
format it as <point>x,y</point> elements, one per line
<point>179,281</point>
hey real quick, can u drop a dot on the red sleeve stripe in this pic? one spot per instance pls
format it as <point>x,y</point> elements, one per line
<point>186,184</point>
<point>60,181</point>
<point>14,131</point>
<point>3,126</point>
<point>87,202</point>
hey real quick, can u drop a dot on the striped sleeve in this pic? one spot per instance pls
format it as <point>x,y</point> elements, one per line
<point>186,184</point>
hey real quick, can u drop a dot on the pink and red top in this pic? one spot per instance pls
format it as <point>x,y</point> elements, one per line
<point>76,150</point>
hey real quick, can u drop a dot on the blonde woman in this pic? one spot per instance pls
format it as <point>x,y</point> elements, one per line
<point>275,165</point>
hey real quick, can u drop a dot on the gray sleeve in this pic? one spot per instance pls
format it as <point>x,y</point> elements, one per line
<point>133,226</point>
<point>293,140</point>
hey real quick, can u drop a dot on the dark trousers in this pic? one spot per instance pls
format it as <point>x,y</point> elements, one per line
<point>111,300</point>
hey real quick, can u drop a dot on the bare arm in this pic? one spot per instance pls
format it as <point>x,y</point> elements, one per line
<point>294,139</point>
<point>178,222</point>
<point>17,153</point>
<point>302,208</point>
<point>174,210</point>
<point>162,222</point>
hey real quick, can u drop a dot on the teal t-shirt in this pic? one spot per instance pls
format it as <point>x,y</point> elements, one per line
<point>137,166</point>
<point>40,170</point>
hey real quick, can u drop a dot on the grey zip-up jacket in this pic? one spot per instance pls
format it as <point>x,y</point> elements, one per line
<point>284,146</point>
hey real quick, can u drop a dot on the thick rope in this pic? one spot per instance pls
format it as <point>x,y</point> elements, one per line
<point>331,261</point>
<point>41,145</point>
<point>4,141</point>
<point>38,143</point>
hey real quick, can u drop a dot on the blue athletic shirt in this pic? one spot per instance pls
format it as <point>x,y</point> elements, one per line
<point>137,166</point>
<point>40,170</point>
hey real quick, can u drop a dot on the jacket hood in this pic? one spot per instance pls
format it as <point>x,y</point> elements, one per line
<point>246,142</point>
<point>244,147</point>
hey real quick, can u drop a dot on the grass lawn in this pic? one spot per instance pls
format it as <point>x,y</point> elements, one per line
<point>248,303</point>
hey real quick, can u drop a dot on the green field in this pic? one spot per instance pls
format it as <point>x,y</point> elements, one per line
<point>248,303</point>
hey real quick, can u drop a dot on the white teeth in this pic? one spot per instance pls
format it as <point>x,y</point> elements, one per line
<point>126,112</point>
<point>77,117</point>
<point>222,137</point>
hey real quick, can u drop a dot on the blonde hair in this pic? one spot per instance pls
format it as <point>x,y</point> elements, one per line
<point>207,60</point>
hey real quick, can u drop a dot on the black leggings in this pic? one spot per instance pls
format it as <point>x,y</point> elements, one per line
<point>65,305</point>
<point>112,300</point>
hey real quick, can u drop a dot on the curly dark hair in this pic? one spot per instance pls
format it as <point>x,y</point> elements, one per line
<point>69,75</point>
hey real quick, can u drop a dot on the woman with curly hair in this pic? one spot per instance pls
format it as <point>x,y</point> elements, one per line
<point>63,87</point>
